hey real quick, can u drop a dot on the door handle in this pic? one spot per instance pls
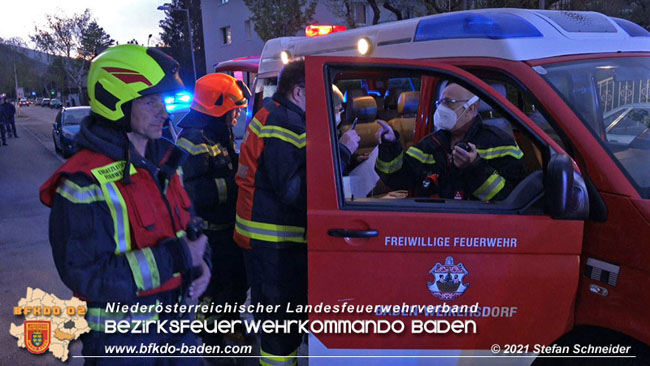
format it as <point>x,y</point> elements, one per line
<point>344,233</point>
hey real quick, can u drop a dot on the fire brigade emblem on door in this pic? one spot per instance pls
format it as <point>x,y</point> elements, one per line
<point>448,280</point>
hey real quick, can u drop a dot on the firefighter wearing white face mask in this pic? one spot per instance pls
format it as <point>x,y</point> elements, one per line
<point>463,159</point>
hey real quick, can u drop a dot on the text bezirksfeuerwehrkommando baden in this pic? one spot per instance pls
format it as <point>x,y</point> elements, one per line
<point>331,326</point>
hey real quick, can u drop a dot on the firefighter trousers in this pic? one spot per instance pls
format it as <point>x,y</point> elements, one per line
<point>278,277</point>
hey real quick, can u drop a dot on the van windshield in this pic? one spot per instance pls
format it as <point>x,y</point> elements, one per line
<point>612,97</point>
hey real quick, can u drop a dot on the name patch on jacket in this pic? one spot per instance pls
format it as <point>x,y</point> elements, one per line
<point>112,172</point>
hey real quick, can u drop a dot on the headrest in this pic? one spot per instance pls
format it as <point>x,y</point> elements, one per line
<point>392,95</point>
<point>350,94</point>
<point>364,108</point>
<point>408,102</point>
<point>484,107</point>
<point>502,124</point>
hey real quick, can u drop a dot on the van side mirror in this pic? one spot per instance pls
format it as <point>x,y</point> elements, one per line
<point>565,190</point>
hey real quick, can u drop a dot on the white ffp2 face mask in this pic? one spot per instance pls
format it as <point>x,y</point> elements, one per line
<point>445,118</point>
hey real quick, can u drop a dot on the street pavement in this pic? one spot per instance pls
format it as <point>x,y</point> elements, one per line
<point>25,252</point>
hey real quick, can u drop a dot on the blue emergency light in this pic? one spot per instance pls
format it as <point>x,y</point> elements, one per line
<point>491,25</point>
<point>181,100</point>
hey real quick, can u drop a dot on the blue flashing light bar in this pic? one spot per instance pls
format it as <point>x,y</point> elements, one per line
<point>181,100</point>
<point>174,107</point>
<point>184,97</point>
<point>633,29</point>
<point>468,25</point>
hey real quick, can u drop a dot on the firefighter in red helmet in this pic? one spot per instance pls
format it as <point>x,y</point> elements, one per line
<point>209,178</point>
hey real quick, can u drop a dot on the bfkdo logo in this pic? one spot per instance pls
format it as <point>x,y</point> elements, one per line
<point>37,336</point>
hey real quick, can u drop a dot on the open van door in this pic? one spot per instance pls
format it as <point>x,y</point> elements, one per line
<point>514,263</point>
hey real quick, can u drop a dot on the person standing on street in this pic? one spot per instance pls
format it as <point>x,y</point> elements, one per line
<point>3,123</point>
<point>119,210</point>
<point>10,122</point>
<point>209,177</point>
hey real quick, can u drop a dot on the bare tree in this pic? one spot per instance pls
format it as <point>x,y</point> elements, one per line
<point>344,10</point>
<point>393,8</point>
<point>376,12</point>
<point>76,39</point>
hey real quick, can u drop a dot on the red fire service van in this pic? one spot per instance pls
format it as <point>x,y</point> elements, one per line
<point>564,258</point>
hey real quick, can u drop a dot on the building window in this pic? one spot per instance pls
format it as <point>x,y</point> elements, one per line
<point>227,37</point>
<point>359,13</point>
<point>249,29</point>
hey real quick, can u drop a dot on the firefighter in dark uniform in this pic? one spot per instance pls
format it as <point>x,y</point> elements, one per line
<point>209,178</point>
<point>464,159</point>
<point>272,210</point>
<point>119,210</point>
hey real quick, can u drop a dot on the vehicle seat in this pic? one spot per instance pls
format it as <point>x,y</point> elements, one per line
<point>407,109</point>
<point>365,109</point>
<point>487,113</point>
<point>350,94</point>
<point>532,155</point>
<point>390,104</point>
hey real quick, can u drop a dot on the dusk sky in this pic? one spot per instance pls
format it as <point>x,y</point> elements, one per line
<point>122,19</point>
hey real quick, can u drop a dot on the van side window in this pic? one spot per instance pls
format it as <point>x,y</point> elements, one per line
<point>523,100</point>
<point>366,182</point>
<point>367,106</point>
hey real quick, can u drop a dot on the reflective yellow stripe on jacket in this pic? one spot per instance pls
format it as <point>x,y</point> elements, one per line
<point>144,268</point>
<point>222,189</point>
<point>493,185</point>
<point>270,232</point>
<point>277,132</point>
<point>142,262</point>
<point>196,149</point>
<point>501,151</point>
<point>268,359</point>
<point>76,194</point>
<point>420,155</point>
<point>389,167</point>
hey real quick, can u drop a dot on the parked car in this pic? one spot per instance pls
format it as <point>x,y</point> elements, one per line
<point>65,127</point>
<point>56,103</point>
<point>45,102</point>
<point>23,102</point>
